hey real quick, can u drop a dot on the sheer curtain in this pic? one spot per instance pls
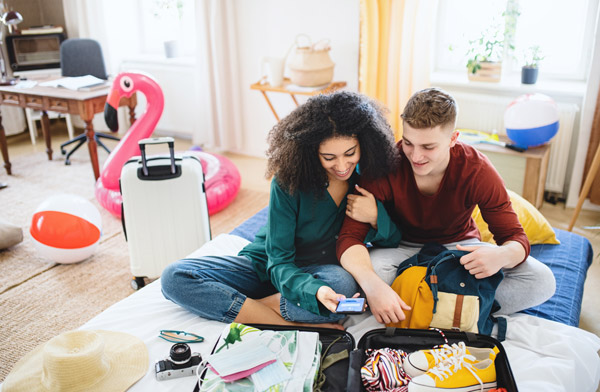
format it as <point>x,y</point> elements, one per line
<point>218,79</point>
<point>589,132</point>
<point>84,19</point>
<point>395,51</point>
<point>110,23</point>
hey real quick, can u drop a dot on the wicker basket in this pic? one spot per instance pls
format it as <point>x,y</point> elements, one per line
<point>311,78</point>
<point>311,65</point>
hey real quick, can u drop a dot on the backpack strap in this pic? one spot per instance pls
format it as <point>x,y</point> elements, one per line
<point>458,311</point>
<point>433,279</point>
<point>502,327</point>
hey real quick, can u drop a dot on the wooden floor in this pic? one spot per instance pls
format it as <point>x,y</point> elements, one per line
<point>252,170</point>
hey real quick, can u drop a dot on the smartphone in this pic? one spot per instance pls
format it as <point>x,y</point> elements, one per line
<point>351,306</point>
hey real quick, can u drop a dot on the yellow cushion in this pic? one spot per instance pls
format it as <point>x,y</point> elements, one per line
<point>536,227</point>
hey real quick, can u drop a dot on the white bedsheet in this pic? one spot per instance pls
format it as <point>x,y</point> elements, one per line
<point>544,355</point>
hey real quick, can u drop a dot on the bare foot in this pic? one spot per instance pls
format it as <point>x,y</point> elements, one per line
<point>325,325</point>
<point>273,301</point>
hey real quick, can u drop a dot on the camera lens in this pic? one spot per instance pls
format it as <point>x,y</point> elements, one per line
<point>180,353</point>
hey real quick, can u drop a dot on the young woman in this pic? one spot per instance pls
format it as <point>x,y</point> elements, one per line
<point>290,273</point>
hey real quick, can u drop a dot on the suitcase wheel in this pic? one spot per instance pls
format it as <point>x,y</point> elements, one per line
<point>137,283</point>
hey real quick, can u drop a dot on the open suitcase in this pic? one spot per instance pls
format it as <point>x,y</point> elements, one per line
<point>164,211</point>
<point>333,341</point>
<point>418,339</point>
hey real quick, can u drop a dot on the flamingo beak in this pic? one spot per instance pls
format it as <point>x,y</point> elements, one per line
<point>110,110</point>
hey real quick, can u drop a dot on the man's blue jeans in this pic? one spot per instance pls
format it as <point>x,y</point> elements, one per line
<point>215,287</point>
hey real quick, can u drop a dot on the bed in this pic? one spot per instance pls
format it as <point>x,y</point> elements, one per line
<point>546,350</point>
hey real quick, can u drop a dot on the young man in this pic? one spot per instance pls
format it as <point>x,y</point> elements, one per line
<point>430,198</point>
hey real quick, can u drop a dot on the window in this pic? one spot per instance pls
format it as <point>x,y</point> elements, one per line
<point>167,20</point>
<point>563,30</point>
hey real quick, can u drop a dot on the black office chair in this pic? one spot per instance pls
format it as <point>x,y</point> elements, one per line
<point>79,57</point>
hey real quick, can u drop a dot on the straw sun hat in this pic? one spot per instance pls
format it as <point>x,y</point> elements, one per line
<point>81,361</point>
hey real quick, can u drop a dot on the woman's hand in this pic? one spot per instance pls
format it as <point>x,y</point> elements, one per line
<point>363,207</point>
<point>330,298</point>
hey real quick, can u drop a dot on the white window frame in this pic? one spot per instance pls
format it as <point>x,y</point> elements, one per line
<point>512,72</point>
<point>183,38</point>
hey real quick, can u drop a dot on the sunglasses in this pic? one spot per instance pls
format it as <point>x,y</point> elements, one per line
<point>180,336</point>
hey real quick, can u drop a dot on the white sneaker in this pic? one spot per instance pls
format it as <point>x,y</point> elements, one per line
<point>457,374</point>
<point>421,361</point>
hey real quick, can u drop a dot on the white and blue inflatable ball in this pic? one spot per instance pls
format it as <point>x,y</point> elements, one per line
<point>531,120</point>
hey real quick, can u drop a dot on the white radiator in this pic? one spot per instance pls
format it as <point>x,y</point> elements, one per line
<point>486,113</point>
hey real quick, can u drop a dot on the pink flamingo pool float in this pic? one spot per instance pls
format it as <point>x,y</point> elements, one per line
<point>222,179</point>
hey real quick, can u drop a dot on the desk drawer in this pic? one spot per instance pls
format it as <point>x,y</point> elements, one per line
<point>58,105</point>
<point>10,98</point>
<point>34,102</point>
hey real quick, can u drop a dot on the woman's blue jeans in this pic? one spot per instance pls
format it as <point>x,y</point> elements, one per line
<point>215,287</point>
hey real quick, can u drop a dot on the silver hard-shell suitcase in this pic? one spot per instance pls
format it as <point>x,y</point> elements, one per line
<point>164,210</point>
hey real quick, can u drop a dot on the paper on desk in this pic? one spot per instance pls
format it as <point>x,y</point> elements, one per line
<point>75,83</point>
<point>26,84</point>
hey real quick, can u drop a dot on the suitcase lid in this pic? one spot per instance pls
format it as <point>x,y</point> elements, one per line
<point>418,339</point>
<point>332,340</point>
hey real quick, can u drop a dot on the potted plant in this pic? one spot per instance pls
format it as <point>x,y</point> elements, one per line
<point>484,57</point>
<point>529,72</point>
<point>169,14</point>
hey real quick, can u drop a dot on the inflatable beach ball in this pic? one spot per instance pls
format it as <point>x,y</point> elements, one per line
<point>531,120</point>
<point>66,228</point>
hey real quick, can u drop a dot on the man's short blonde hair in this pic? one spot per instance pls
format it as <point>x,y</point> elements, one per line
<point>429,108</point>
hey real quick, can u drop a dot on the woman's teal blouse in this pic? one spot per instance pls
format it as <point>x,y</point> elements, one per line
<point>302,229</point>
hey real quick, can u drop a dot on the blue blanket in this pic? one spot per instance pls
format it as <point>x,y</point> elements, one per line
<point>569,262</point>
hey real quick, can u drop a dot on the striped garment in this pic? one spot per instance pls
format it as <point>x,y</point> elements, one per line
<point>383,371</point>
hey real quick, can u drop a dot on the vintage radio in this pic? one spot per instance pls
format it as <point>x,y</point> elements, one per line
<point>34,51</point>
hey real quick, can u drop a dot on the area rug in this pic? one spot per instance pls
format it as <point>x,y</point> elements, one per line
<point>40,299</point>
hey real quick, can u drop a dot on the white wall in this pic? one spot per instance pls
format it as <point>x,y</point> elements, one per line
<point>269,28</point>
<point>261,28</point>
<point>174,77</point>
<point>587,118</point>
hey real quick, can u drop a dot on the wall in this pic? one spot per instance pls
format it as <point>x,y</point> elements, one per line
<point>174,76</point>
<point>260,28</point>
<point>34,13</point>
<point>268,28</point>
<point>38,12</point>
<point>587,117</point>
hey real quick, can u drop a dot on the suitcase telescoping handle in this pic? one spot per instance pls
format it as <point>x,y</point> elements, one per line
<point>157,140</point>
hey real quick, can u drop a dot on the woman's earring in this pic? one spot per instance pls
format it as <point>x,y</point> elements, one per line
<point>358,169</point>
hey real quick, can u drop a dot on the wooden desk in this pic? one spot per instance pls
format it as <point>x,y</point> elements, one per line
<point>84,104</point>
<point>287,88</point>
<point>522,172</point>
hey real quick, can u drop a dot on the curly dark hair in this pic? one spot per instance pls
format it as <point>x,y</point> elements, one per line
<point>294,142</point>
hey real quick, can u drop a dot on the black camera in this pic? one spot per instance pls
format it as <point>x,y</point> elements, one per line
<point>180,363</point>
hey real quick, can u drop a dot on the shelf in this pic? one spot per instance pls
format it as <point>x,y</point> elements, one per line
<point>288,88</point>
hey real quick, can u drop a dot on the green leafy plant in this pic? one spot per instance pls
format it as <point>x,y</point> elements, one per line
<point>497,42</point>
<point>169,11</point>
<point>488,47</point>
<point>533,56</point>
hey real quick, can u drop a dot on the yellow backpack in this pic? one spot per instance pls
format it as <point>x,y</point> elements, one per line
<point>412,287</point>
